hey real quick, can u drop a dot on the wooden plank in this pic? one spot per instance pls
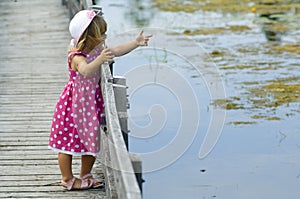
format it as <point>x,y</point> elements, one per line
<point>23,139</point>
<point>90,194</point>
<point>28,134</point>
<point>22,129</point>
<point>48,178</point>
<point>28,157</point>
<point>29,162</point>
<point>27,153</point>
<point>25,147</point>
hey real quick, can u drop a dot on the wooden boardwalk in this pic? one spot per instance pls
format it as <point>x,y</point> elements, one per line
<point>33,38</point>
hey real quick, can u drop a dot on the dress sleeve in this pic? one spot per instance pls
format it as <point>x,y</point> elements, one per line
<point>71,55</point>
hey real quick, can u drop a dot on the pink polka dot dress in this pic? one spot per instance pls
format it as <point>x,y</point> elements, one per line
<point>78,112</point>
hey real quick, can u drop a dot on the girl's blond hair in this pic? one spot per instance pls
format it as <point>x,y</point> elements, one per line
<point>92,36</point>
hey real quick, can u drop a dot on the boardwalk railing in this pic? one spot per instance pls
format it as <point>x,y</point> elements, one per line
<point>121,180</point>
<point>122,170</point>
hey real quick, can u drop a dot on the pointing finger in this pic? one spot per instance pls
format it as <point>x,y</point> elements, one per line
<point>141,33</point>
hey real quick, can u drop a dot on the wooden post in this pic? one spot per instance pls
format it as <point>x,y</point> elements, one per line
<point>137,167</point>
<point>86,4</point>
<point>120,91</point>
<point>76,5</point>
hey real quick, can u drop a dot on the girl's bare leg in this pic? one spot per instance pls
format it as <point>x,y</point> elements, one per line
<point>65,165</point>
<point>87,162</point>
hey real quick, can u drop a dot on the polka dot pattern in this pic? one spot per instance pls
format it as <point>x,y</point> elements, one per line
<point>77,115</point>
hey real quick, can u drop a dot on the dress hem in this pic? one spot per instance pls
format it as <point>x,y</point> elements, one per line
<point>73,153</point>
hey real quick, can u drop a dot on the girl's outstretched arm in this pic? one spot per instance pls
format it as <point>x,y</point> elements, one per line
<point>122,49</point>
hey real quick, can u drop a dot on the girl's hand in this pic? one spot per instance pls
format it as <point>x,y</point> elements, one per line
<point>106,55</point>
<point>142,40</point>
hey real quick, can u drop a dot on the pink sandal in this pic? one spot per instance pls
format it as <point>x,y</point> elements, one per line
<point>95,182</point>
<point>85,184</point>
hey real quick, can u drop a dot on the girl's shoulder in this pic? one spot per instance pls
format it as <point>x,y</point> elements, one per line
<point>72,54</point>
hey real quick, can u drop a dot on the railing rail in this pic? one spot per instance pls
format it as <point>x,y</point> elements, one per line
<point>117,158</point>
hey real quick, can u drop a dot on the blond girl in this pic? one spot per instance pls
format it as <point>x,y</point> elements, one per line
<point>77,115</point>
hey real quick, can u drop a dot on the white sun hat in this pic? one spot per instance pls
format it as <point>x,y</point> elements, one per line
<point>80,22</point>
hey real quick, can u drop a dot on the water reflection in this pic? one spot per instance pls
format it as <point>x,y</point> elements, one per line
<point>168,107</point>
<point>140,12</point>
<point>275,21</point>
<point>271,34</point>
<point>272,19</point>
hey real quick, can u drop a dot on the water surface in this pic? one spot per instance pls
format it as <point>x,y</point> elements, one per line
<point>172,102</point>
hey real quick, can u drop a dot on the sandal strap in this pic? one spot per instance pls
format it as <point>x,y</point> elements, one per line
<point>87,176</point>
<point>94,181</point>
<point>100,183</point>
<point>69,185</point>
<point>86,183</point>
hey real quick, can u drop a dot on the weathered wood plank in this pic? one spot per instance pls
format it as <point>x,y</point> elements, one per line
<point>25,147</point>
<point>22,129</point>
<point>90,194</point>
<point>28,157</point>
<point>23,139</point>
<point>27,134</point>
<point>48,178</point>
<point>27,153</point>
<point>29,162</point>
<point>46,189</point>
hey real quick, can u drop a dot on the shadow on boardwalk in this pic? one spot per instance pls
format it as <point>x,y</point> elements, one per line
<point>33,38</point>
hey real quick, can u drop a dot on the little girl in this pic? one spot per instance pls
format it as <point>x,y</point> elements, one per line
<point>77,116</point>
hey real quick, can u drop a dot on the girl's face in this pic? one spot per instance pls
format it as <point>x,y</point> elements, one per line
<point>92,43</point>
